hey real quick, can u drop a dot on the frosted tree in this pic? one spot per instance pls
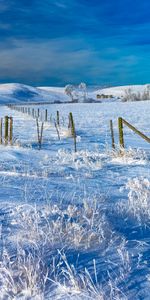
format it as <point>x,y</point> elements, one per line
<point>69,89</point>
<point>128,95</point>
<point>148,92</point>
<point>83,88</point>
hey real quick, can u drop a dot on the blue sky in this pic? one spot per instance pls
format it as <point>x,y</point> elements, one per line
<point>55,42</point>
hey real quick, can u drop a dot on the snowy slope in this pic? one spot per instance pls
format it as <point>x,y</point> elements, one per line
<point>52,89</point>
<point>120,91</point>
<point>15,92</point>
<point>78,94</point>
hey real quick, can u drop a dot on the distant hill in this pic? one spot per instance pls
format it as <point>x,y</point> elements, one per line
<point>129,92</point>
<point>21,93</point>
<point>16,93</point>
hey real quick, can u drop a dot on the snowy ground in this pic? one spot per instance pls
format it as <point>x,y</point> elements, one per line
<point>76,225</point>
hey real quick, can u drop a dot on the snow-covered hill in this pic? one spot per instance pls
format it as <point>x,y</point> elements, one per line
<point>15,92</point>
<point>125,91</point>
<point>55,89</point>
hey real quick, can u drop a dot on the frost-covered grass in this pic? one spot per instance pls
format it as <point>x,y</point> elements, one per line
<point>138,205</point>
<point>33,267</point>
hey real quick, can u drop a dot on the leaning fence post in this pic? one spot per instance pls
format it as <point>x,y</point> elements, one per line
<point>1,131</point>
<point>73,132</point>
<point>120,127</point>
<point>58,123</point>
<point>112,134</point>
<point>45,115</point>
<point>11,130</point>
<point>33,112</point>
<point>6,130</point>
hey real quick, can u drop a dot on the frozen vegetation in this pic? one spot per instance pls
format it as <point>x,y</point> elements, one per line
<point>75,225</point>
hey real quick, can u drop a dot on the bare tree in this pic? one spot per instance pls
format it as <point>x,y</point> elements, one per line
<point>69,88</point>
<point>83,88</point>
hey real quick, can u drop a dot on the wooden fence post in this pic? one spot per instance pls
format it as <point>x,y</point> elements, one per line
<point>46,116</point>
<point>11,130</point>
<point>1,131</point>
<point>58,122</point>
<point>73,131</point>
<point>112,134</point>
<point>33,112</point>
<point>6,130</point>
<point>120,127</point>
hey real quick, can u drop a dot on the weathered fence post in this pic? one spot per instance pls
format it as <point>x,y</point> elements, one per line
<point>33,112</point>
<point>69,124</point>
<point>120,127</point>
<point>11,130</point>
<point>6,130</point>
<point>73,131</point>
<point>1,131</point>
<point>58,122</point>
<point>112,134</point>
<point>46,116</point>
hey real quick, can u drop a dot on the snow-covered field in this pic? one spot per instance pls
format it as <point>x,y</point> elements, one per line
<point>76,225</point>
